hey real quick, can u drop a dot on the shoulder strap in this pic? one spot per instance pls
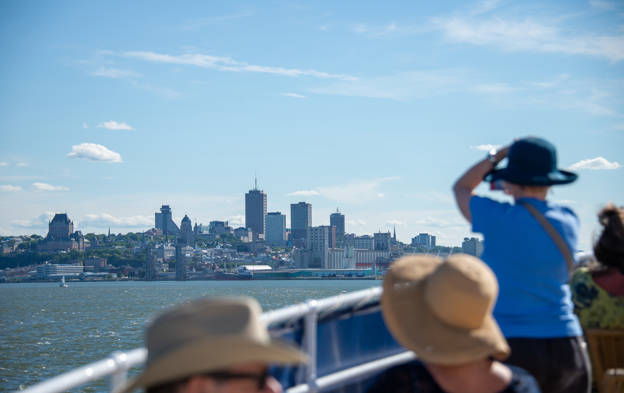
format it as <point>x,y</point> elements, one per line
<point>552,232</point>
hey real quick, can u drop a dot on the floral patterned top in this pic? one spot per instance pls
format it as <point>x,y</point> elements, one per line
<point>595,307</point>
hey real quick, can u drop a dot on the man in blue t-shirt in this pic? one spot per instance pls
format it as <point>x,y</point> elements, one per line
<point>534,309</point>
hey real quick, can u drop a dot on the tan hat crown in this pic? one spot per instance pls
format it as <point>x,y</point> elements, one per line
<point>461,294</point>
<point>441,309</point>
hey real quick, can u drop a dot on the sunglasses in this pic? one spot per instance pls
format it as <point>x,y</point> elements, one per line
<point>260,378</point>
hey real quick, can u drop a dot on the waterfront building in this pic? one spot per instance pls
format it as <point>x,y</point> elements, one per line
<point>365,259</point>
<point>338,220</point>
<point>472,246</point>
<point>61,235</point>
<point>244,234</point>
<point>165,223</point>
<point>255,211</point>
<point>50,271</point>
<point>382,241</point>
<point>318,242</point>
<point>187,236</point>
<point>219,227</point>
<point>364,242</point>
<point>424,240</point>
<point>276,229</point>
<point>300,221</point>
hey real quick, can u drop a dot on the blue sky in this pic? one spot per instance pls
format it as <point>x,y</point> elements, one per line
<point>110,109</point>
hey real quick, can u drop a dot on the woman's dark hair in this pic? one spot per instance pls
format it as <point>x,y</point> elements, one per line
<point>609,249</point>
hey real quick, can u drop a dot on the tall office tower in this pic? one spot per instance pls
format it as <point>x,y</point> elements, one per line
<point>276,229</point>
<point>300,221</point>
<point>382,241</point>
<point>255,211</point>
<point>164,222</point>
<point>318,239</point>
<point>187,237</point>
<point>338,220</point>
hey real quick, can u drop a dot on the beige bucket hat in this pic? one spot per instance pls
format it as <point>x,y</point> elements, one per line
<point>442,309</point>
<point>205,335</point>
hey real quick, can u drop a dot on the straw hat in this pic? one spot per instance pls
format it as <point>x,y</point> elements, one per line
<point>532,161</point>
<point>442,309</point>
<point>208,334</point>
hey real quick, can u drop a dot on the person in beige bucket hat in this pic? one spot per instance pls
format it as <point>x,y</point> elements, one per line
<point>442,310</point>
<point>211,345</point>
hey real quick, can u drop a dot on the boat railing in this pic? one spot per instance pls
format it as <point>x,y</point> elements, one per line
<point>117,365</point>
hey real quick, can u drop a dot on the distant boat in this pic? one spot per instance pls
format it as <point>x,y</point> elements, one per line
<point>62,284</point>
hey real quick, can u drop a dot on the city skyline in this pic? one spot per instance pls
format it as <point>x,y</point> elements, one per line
<point>110,110</point>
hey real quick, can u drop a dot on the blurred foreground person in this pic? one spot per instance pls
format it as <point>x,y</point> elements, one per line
<point>529,244</point>
<point>598,290</point>
<point>212,345</point>
<point>441,310</point>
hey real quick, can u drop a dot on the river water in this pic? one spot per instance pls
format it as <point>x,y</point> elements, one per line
<point>47,330</point>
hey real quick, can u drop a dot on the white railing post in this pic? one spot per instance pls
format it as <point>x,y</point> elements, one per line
<point>120,375</point>
<point>310,342</point>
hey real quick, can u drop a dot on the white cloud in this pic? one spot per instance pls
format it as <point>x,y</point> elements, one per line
<point>293,95</point>
<point>228,64</point>
<point>486,147</point>
<point>237,220</point>
<point>495,88</point>
<point>552,83</point>
<point>356,191</point>
<point>485,6</point>
<point>102,220</point>
<point>113,125</point>
<point>38,186</point>
<point>9,188</point>
<point>21,164</point>
<point>84,125</point>
<point>40,222</point>
<point>598,163</point>
<point>395,222</point>
<point>356,223</point>
<point>304,193</point>
<point>529,35</point>
<point>94,152</point>
<point>400,87</point>
<point>115,73</point>
<point>4,163</point>
<point>602,5</point>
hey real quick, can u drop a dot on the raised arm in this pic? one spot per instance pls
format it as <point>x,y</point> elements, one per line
<point>463,189</point>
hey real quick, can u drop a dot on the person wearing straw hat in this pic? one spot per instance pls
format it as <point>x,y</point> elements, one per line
<point>441,310</point>
<point>529,244</point>
<point>212,345</point>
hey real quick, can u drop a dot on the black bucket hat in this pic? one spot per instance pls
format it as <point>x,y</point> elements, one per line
<point>532,161</point>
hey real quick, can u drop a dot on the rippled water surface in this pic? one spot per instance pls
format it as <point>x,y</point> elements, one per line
<point>47,330</point>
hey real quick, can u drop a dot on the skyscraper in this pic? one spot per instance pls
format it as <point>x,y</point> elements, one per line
<point>186,232</point>
<point>338,220</point>
<point>255,211</point>
<point>164,222</point>
<point>276,229</point>
<point>300,221</point>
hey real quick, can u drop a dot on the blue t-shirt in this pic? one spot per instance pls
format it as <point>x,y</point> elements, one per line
<point>534,296</point>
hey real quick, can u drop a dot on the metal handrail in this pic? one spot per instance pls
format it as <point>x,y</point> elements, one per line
<point>117,365</point>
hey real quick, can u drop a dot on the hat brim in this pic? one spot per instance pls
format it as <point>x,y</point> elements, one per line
<point>212,355</point>
<point>416,327</point>
<point>557,177</point>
